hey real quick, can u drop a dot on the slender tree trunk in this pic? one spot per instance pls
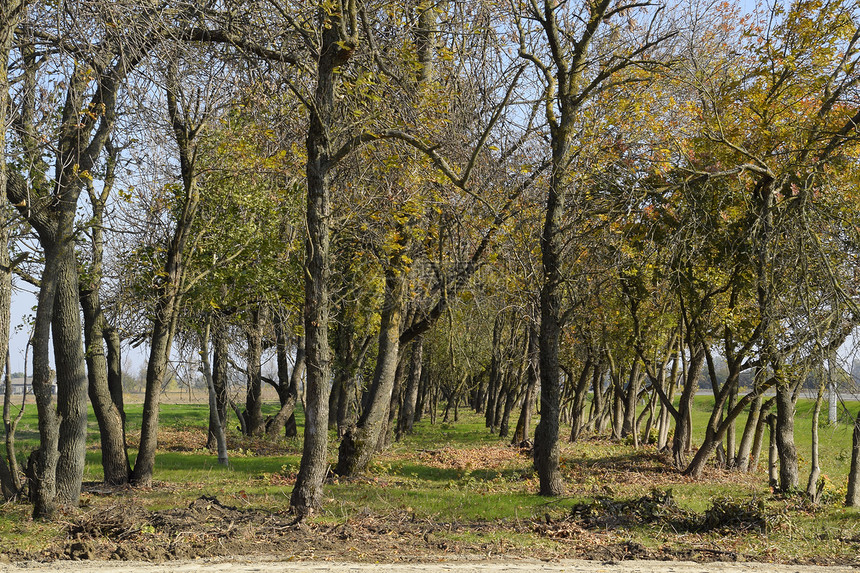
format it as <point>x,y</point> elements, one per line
<point>852,498</point>
<point>495,382</point>
<point>42,467</point>
<point>758,440</point>
<point>113,346</point>
<point>665,411</point>
<point>334,51</point>
<point>115,461</point>
<point>832,411</point>
<point>9,481</point>
<point>386,436</point>
<point>631,400</point>
<point>219,422</point>
<point>220,364</point>
<point>579,398</point>
<point>423,390</point>
<point>814,463</point>
<point>110,417</point>
<point>507,405</point>
<point>683,429</point>
<point>288,381</point>
<point>360,441</point>
<point>731,434</point>
<point>168,297</point>
<point>253,400</point>
<point>773,456</point>
<point>10,11</point>
<point>522,432</point>
<point>406,422</point>
<point>789,473</point>
<point>745,447</point>
<point>342,386</point>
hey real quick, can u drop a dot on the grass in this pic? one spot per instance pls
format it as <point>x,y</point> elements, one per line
<point>458,473</point>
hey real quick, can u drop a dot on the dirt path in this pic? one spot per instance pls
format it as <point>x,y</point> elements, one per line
<point>521,566</point>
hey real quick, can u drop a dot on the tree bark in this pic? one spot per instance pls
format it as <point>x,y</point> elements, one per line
<point>758,440</point>
<point>773,456</point>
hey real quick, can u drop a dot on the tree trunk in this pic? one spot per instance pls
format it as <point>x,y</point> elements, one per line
<point>745,448</point>
<point>852,498</point>
<point>546,457</point>
<point>334,51</point>
<point>113,345</point>
<point>215,418</point>
<point>10,11</point>
<point>495,382</point>
<point>758,440</point>
<point>342,390</point>
<point>631,400</point>
<point>9,481</point>
<point>731,437</point>
<point>220,364</point>
<point>522,432</point>
<point>683,423</point>
<point>115,461</point>
<point>72,381</point>
<point>423,391</point>
<point>773,456</point>
<point>812,489</point>
<point>253,401</point>
<point>718,425</point>
<point>789,474</point>
<point>168,297</point>
<point>406,421</point>
<point>360,441</point>
<point>108,412</point>
<point>665,411</point>
<point>288,381</point>
<point>581,394</point>
<point>510,398</point>
<point>42,467</point>
<point>387,435</point>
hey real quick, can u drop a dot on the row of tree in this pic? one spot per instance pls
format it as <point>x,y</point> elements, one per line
<point>506,203</point>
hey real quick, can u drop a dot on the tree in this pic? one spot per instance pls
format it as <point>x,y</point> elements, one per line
<point>576,55</point>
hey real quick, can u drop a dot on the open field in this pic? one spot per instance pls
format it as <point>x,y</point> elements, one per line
<point>450,490</point>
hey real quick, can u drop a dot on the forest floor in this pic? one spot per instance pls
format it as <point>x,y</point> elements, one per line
<point>452,496</point>
<point>245,565</point>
